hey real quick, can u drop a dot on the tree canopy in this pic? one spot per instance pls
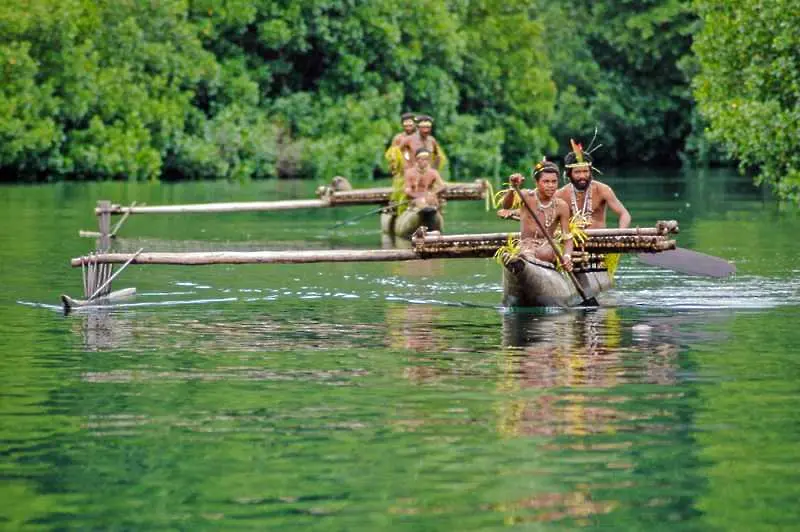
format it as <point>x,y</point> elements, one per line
<point>241,89</point>
<point>748,85</point>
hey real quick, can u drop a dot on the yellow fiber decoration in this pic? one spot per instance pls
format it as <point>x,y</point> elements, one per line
<point>398,196</point>
<point>438,151</point>
<point>394,156</point>
<point>494,199</point>
<point>510,250</point>
<point>612,261</point>
<point>577,224</point>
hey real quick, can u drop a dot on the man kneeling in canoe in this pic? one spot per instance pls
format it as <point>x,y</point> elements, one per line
<point>552,212</point>
<point>423,183</point>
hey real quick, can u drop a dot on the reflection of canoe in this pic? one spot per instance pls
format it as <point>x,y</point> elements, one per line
<point>410,220</point>
<point>113,297</point>
<point>533,283</point>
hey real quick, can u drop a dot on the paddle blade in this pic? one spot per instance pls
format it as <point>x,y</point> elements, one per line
<point>689,262</point>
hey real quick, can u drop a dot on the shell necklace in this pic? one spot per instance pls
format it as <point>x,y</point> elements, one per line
<point>549,213</point>
<point>586,210</point>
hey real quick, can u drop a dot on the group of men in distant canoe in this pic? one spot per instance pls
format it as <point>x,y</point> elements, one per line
<point>415,157</point>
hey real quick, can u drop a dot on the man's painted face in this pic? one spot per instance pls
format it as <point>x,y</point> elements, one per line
<point>548,183</point>
<point>581,177</point>
<point>423,160</point>
<point>424,127</point>
<point>408,126</point>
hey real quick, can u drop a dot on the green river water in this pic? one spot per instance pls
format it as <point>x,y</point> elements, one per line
<point>395,396</point>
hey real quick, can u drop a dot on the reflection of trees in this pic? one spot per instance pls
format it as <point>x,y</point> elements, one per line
<point>606,410</point>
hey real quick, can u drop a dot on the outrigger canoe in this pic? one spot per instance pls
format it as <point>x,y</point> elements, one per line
<point>529,282</point>
<point>410,220</point>
<point>407,222</point>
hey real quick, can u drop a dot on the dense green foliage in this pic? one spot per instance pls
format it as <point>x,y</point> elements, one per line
<point>219,88</point>
<point>749,85</point>
<point>619,66</point>
<point>241,89</point>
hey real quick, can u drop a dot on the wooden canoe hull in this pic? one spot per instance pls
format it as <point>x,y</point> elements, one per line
<point>410,220</point>
<point>533,283</point>
<point>109,299</point>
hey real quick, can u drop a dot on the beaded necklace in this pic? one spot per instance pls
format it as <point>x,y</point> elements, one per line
<point>586,210</point>
<point>549,214</point>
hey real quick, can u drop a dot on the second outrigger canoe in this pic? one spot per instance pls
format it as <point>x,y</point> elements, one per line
<point>412,218</point>
<point>406,223</point>
<point>528,282</point>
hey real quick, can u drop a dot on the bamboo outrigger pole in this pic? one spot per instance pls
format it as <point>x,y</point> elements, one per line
<point>291,257</point>
<point>254,257</point>
<point>328,198</point>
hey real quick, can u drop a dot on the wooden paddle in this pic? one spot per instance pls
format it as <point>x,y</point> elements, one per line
<point>587,301</point>
<point>689,262</point>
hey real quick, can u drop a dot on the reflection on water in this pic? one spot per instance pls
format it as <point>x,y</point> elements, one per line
<point>580,425</point>
<point>573,382</point>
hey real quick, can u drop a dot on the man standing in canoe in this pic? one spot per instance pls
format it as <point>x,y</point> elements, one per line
<point>423,183</point>
<point>409,127</point>
<point>397,159</point>
<point>588,199</point>
<point>423,139</point>
<point>551,211</point>
<point>394,153</point>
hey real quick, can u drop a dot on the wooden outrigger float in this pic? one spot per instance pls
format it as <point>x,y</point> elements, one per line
<point>405,224</point>
<point>526,282</point>
<point>338,194</point>
<point>116,296</point>
<point>97,277</point>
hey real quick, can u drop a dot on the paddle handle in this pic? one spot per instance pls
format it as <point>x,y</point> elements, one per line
<point>373,211</point>
<point>550,241</point>
<point>108,281</point>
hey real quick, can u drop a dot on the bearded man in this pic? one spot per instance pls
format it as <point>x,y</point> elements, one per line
<point>587,198</point>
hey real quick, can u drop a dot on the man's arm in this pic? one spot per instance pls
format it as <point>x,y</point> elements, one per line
<point>438,184</point>
<point>617,206</point>
<point>406,148</point>
<point>508,197</point>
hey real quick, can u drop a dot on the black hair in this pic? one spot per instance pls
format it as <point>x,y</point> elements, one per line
<point>407,116</point>
<point>422,149</point>
<point>546,167</point>
<point>422,118</point>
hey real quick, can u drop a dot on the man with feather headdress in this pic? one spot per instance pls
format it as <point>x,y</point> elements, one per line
<point>587,198</point>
